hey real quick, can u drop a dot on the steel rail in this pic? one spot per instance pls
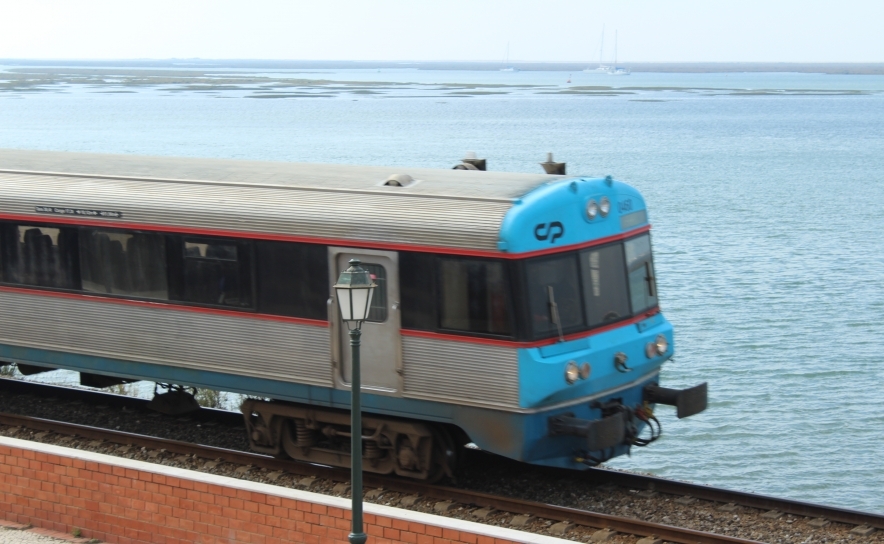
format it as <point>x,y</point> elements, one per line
<point>545,511</point>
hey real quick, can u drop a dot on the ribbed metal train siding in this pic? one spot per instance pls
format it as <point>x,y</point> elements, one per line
<point>252,347</point>
<point>382,217</point>
<point>465,373</point>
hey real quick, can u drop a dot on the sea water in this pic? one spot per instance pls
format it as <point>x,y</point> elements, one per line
<point>765,191</point>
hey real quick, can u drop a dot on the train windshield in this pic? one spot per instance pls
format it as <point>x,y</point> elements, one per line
<point>642,284</point>
<point>554,280</point>
<point>589,288</point>
<point>604,285</point>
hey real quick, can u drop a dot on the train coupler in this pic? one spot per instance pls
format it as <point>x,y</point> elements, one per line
<point>688,401</point>
<point>600,434</point>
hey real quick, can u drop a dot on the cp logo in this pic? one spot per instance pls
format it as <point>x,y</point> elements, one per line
<point>549,232</point>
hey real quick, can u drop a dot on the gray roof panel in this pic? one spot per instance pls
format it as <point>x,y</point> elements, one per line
<point>433,182</point>
<point>459,210</point>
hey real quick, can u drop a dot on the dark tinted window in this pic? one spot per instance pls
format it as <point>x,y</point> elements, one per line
<point>378,310</point>
<point>604,284</point>
<point>554,279</point>
<point>8,251</point>
<point>123,263</point>
<point>473,296</point>
<point>417,287</point>
<point>217,272</point>
<point>642,283</point>
<point>293,279</point>
<point>40,256</point>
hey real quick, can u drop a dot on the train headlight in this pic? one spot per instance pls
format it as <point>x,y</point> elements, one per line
<point>651,350</point>
<point>571,372</point>
<point>592,209</point>
<point>661,343</point>
<point>604,206</point>
<point>585,370</point>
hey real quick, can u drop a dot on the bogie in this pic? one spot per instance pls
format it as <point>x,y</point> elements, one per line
<point>406,448</point>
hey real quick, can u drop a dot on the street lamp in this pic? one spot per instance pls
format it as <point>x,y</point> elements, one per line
<point>354,290</point>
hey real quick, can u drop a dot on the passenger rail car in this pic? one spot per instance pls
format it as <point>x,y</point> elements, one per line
<point>518,312</point>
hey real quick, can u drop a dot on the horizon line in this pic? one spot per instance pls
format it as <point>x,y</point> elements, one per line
<point>412,61</point>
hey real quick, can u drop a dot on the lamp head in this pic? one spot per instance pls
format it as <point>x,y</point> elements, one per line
<point>354,290</point>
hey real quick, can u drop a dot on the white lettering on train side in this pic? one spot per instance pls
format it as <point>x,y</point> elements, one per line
<point>78,211</point>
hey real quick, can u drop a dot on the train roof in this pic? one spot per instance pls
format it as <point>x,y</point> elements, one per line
<point>431,182</point>
<point>328,203</point>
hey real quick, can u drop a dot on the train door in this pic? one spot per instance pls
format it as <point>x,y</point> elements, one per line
<point>381,350</point>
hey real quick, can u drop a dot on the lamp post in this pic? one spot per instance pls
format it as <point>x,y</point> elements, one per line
<point>354,290</point>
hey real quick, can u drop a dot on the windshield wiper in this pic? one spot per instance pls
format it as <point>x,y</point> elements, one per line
<point>554,311</point>
<point>649,277</point>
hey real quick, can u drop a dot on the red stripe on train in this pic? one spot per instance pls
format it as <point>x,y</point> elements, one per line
<point>534,344</point>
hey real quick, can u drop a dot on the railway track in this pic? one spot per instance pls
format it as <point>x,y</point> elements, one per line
<point>471,498</point>
<point>648,485</point>
<point>750,500</point>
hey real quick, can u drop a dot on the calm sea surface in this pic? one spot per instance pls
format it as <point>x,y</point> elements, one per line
<point>766,192</point>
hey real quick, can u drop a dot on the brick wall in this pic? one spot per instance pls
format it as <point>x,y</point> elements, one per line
<point>124,501</point>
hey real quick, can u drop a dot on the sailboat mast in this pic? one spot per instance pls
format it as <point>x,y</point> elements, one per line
<point>615,48</point>
<point>602,48</point>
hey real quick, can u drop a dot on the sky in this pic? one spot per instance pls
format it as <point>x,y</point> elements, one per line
<point>548,30</point>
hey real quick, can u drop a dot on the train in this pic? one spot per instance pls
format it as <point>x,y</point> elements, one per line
<point>514,313</point>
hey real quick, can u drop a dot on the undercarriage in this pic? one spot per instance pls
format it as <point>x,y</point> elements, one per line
<point>411,449</point>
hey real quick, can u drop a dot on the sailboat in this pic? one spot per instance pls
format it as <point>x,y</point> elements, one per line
<point>617,70</point>
<point>601,68</point>
<point>507,67</point>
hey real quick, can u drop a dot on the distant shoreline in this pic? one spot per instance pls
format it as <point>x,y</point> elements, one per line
<point>857,68</point>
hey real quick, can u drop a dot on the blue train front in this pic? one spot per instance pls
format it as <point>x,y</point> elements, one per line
<point>518,312</point>
<point>593,338</point>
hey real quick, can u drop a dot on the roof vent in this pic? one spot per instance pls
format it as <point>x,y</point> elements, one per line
<point>554,168</point>
<point>470,162</point>
<point>399,180</point>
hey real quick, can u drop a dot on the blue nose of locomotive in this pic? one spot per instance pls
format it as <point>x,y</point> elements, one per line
<point>589,377</point>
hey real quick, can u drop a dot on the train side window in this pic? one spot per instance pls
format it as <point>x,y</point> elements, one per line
<point>473,296</point>
<point>8,249</point>
<point>292,279</point>
<point>124,263</point>
<point>217,272</point>
<point>640,265</point>
<point>417,288</point>
<point>378,310</point>
<point>554,279</point>
<point>605,296</point>
<point>40,256</point>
